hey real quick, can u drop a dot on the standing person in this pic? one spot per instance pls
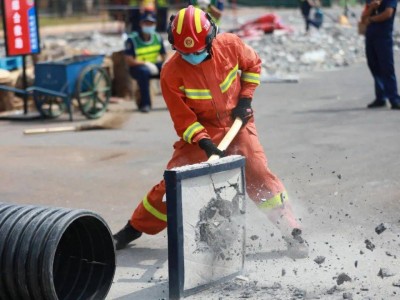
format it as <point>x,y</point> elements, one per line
<point>203,104</point>
<point>145,55</point>
<point>162,15</point>
<point>213,7</point>
<point>379,18</point>
<point>305,8</point>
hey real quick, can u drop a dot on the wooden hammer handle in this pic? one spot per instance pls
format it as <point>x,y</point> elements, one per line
<point>229,136</point>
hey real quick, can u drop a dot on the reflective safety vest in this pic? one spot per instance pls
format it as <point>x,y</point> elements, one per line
<point>147,51</point>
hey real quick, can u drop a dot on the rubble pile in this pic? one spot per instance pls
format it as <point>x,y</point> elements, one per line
<point>283,52</point>
<point>296,53</point>
<point>94,42</point>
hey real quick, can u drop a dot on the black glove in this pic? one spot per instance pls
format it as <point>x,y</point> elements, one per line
<point>210,148</point>
<point>243,110</point>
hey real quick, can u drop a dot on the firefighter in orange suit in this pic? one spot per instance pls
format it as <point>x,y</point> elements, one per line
<point>208,82</point>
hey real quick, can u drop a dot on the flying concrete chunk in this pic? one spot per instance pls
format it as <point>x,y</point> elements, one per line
<point>206,224</point>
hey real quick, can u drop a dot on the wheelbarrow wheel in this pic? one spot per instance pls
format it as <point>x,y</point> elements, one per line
<point>93,91</point>
<point>49,106</point>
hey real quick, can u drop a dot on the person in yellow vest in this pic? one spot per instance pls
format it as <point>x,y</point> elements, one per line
<point>213,7</point>
<point>145,55</point>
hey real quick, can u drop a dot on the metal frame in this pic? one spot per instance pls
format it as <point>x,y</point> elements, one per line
<point>173,179</point>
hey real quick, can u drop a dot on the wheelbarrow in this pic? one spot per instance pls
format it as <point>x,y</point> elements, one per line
<point>80,78</point>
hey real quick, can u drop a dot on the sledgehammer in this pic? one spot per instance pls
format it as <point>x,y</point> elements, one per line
<point>229,136</point>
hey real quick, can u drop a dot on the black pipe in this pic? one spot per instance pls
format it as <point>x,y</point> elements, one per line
<point>54,254</point>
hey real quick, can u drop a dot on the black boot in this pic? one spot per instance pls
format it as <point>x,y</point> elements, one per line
<point>126,235</point>
<point>377,103</point>
<point>395,106</point>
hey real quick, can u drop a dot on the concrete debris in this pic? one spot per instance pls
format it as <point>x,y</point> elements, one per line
<point>297,247</point>
<point>319,259</point>
<point>332,290</point>
<point>380,228</point>
<point>369,245</point>
<point>246,295</point>
<point>296,233</point>
<point>303,54</point>
<point>242,278</point>
<point>313,57</point>
<point>299,294</point>
<point>390,254</point>
<point>252,289</point>
<point>343,277</point>
<point>384,272</point>
<point>348,296</point>
<point>254,237</point>
<point>275,286</point>
<point>231,286</point>
<point>218,228</point>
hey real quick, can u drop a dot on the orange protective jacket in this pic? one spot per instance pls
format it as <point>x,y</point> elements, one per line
<point>200,99</point>
<point>203,96</point>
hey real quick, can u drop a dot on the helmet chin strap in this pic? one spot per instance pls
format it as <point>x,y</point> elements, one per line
<point>209,47</point>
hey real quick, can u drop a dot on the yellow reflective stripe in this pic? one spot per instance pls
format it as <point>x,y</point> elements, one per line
<point>250,77</point>
<point>197,21</point>
<point>148,57</point>
<point>192,130</point>
<point>153,211</point>
<point>229,79</point>
<point>148,49</point>
<point>198,94</point>
<point>181,16</point>
<point>277,200</point>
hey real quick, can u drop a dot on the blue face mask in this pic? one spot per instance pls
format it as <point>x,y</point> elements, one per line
<point>149,29</point>
<point>195,59</point>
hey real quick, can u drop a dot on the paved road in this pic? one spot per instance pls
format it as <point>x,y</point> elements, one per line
<point>339,161</point>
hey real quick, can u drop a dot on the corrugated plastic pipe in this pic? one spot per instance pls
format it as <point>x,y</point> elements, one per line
<point>49,253</point>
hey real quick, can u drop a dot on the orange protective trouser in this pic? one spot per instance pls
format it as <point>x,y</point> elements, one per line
<point>151,214</point>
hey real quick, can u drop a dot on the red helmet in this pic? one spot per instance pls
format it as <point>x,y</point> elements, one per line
<point>191,30</point>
